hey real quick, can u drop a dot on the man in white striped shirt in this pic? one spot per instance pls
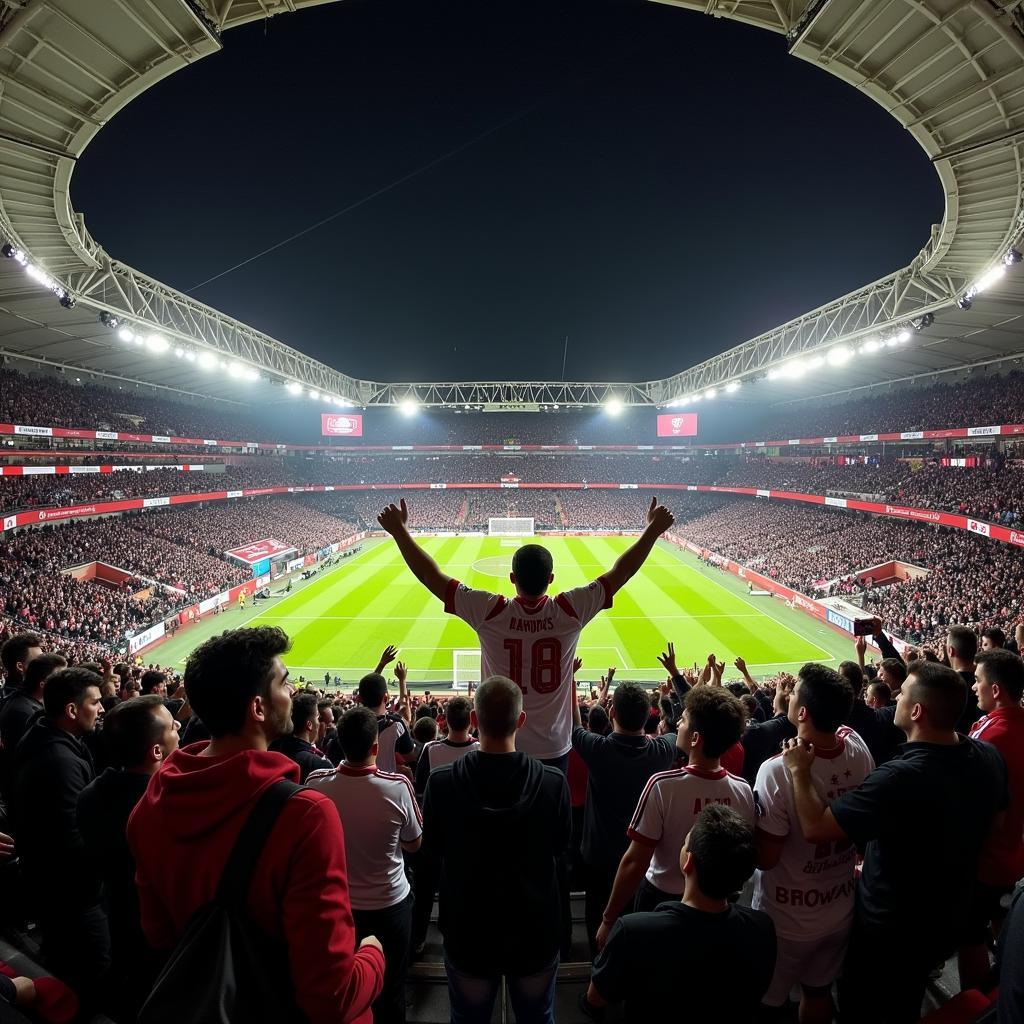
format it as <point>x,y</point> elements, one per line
<point>457,743</point>
<point>381,818</point>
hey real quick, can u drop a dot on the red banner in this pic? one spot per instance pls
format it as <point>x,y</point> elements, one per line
<point>260,549</point>
<point>677,424</point>
<point>336,424</point>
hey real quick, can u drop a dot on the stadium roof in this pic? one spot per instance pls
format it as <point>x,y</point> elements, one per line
<point>951,72</point>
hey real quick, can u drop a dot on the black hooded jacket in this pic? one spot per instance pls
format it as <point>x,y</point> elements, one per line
<point>51,768</point>
<point>494,826</point>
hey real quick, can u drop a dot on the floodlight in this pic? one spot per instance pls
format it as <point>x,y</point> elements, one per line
<point>871,346</point>
<point>408,406</point>
<point>839,355</point>
<point>294,387</point>
<point>179,352</point>
<point>710,393</point>
<point>989,279</point>
<point>732,387</point>
<point>108,319</point>
<point>964,302</point>
<point>157,343</point>
<point>207,360</point>
<point>190,355</point>
<point>1012,257</point>
<point>904,335</point>
<point>126,334</point>
<point>314,394</point>
<point>613,406</point>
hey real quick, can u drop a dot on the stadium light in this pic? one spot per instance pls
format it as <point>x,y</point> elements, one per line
<point>314,394</point>
<point>904,335</point>
<point>839,355</point>
<point>871,346</point>
<point>157,343</point>
<point>126,334</point>
<point>179,352</point>
<point>1012,257</point>
<point>710,393</point>
<point>236,370</point>
<point>207,360</point>
<point>554,407</point>
<point>408,406</point>
<point>294,387</point>
<point>190,355</point>
<point>732,387</point>
<point>613,406</point>
<point>987,280</point>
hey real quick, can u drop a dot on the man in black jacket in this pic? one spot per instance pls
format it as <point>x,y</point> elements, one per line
<point>138,735</point>
<point>502,811</point>
<point>298,744</point>
<point>51,768</point>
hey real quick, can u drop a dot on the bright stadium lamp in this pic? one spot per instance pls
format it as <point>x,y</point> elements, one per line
<point>294,388</point>
<point>314,394</point>
<point>989,279</point>
<point>732,387</point>
<point>613,406</point>
<point>157,343</point>
<point>126,334</point>
<point>711,393</point>
<point>871,346</point>
<point>207,360</point>
<point>190,355</point>
<point>236,370</point>
<point>903,336</point>
<point>408,406</point>
<point>839,355</point>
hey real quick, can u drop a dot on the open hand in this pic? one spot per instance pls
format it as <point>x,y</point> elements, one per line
<point>667,660</point>
<point>741,666</point>
<point>387,656</point>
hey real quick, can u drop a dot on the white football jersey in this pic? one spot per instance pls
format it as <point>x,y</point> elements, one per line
<point>533,643</point>
<point>668,807</point>
<point>810,892</point>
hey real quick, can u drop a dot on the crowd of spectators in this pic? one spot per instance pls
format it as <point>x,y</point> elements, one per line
<point>56,401</point>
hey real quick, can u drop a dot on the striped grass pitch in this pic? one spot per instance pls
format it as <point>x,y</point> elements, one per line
<point>341,621</point>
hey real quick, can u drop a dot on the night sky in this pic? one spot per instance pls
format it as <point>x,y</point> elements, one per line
<point>661,186</point>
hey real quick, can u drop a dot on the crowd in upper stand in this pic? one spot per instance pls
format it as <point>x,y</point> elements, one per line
<point>978,400</point>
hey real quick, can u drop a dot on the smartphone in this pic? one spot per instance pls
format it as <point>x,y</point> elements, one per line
<point>863,627</point>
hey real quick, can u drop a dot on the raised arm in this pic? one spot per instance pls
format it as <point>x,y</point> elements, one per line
<point>659,519</point>
<point>393,520</point>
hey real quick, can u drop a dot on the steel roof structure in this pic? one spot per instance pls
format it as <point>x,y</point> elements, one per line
<point>951,72</point>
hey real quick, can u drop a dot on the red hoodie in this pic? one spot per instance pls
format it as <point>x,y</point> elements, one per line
<point>181,833</point>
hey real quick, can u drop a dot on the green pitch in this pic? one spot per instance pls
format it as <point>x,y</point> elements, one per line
<point>340,621</point>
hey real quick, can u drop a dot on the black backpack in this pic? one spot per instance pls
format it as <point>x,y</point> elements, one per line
<point>223,971</point>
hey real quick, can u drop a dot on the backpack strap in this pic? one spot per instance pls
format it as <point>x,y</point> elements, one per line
<point>234,881</point>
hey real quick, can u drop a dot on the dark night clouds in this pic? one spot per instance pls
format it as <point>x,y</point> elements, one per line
<point>676,185</point>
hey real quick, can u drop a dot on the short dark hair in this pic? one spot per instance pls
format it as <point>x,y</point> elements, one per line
<point>532,565</point>
<point>66,687</point>
<point>131,728</point>
<point>632,706</point>
<point>996,635</point>
<point>1001,666</point>
<point>357,733</point>
<point>41,668</point>
<point>425,729</point>
<point>826,695</point>
<point>13,651</point>
<point>498,704</point>
<point>964,642</point>
<point>896,668</point>
<point>305,709</point>
<point>224,673</point>
<point>723,850</point>
<point>717,715</point>
<point>853,674</point>
<point>597,720</point>
<point>373,689</point>
<point>457,713</point>
<point>879,689</point>
<point>150,680</point>
<point>941,690</point>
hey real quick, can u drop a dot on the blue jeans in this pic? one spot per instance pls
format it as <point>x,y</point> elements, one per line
<point>532,995</point>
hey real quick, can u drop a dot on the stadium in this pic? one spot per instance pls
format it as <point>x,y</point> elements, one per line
<point>845,487</point>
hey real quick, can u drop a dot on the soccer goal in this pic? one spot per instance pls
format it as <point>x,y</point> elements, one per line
<point>510,527</point>
<point>465,668</point>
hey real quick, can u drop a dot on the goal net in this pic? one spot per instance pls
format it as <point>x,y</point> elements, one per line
<point>465,668</point>
<point>510,527</point>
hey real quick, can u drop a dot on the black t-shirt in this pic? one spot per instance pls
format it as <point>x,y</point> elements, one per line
<point>763,740</point>
<point>619,768</point>
<point>680,962</point>
<point>921,819</point>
